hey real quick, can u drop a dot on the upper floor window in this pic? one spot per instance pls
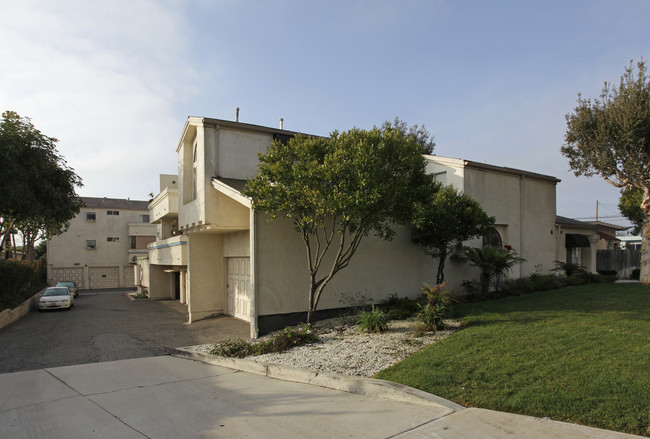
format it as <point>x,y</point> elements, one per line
<point>90,216</point>
<point>113,239</point>
<point>91,244</point>
<point>144,218</point>
<point>112,212</point>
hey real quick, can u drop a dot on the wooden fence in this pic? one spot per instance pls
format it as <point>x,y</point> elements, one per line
<point>623,261</point>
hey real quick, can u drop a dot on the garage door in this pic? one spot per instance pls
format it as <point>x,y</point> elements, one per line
<point>128,278</point>
<point>239,281</point>
<point>104,277</point>
<point>68,274</point>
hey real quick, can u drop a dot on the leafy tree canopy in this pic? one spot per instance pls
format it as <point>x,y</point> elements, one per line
<point>610,137</point>
<point>337,190</point>
<point>630,206</point>
<point>444,221</point>
<point>418,133</point>
<point>38,187</point>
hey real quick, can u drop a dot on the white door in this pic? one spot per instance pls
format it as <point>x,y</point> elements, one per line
<point>239,280</point>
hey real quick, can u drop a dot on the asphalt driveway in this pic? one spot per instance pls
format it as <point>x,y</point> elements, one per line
<point>106,326</point>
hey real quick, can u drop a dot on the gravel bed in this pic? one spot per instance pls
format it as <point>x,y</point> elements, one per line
<point>344,350</point>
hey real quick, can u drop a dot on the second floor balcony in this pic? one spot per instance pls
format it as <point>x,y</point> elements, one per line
<point>171,251</point>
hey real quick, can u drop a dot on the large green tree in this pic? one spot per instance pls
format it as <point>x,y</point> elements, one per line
<point>445,220</point>
<point>38,195</point>
<point>630,206</point>
<point>338,190</point>
<point>610,137</point>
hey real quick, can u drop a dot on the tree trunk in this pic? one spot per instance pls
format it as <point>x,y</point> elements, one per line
<point>440,277</point>
<point>645,252</point>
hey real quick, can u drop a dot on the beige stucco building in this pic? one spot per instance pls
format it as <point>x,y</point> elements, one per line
<point>101,244</point>
<point>218,256</point>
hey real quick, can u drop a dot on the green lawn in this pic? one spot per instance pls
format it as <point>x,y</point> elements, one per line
<point>579,354</point>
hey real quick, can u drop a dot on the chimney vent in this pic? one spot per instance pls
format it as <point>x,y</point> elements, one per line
<point>237,114</point>
<point>281,123</point>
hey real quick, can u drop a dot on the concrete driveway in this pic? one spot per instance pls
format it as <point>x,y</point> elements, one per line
<point>106,326</point>
<point>168,397</point>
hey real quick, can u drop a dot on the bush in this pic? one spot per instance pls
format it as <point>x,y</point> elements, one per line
<point>232,348</point>
<point>372,321</point>
<point>573,281</point>
<point>399,309</point>
<point>431,317</point>
<point>279,342</point>
<point>20,281</point>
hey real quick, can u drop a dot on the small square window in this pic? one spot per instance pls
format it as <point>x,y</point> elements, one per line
<point>113,239</point>
<point>144,218</point>
<point>112,212</point>
<point>90,216</point>
<point>91,244</point>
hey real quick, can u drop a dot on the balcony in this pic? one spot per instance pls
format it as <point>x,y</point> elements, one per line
<point>165,205</point>
<point>171,251</point>
<point>142,229</point>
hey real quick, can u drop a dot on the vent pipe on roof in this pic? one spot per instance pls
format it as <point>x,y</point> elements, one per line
<point>281,123</point>
<point>237,114</point>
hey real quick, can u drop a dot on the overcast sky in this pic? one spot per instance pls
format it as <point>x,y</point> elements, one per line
<point>115,80</point>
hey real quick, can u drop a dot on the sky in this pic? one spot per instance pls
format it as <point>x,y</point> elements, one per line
<point>492,81</point>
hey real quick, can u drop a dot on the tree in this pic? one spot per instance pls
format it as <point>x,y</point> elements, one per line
<point>444,221</point>
<point>494,263</point>
<point>630,206</point>
<point>610,137</point>
<point>337,190</point>
<point>38,196</point>
<point>418,133</point>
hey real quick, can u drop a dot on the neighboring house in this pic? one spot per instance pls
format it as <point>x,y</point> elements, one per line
<point>101,244</point>
<point>218,256</point>
<point>607,232</point>
<point>630,242</point>
<point>576,242</point>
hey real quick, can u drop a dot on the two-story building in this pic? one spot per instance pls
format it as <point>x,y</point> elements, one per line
<point>101,244</point>
<point>219,256</point>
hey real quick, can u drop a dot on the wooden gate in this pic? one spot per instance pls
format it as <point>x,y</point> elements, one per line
<point>239,280</point>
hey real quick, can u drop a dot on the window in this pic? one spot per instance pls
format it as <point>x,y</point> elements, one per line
<point>113,239</point>
<point>133,242</point>
<point>90,216</point>
<point>144,218</point>
<point>91,244</point>
<point>492,239</point>
<point>112,212</point>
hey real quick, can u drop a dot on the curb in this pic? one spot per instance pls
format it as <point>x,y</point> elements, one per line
<point>358,385</point>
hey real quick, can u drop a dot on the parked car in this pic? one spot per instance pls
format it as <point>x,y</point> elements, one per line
<point>56,298</point>
<point>71,286</point>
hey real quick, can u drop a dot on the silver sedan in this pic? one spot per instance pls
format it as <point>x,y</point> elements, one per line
<point>56,298</point>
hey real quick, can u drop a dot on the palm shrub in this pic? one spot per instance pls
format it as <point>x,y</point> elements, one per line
<point>570,268</point>
<point>437,308</point>
<point>493,262</point>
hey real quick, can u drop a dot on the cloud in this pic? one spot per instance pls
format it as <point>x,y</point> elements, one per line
<point>105,78</point>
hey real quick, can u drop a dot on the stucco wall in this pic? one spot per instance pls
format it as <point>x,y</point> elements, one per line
<point>378,270</point>
<point>205,271</point>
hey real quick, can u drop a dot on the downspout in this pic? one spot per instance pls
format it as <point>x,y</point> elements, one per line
<point>254,328</point>
<point>521,221</point>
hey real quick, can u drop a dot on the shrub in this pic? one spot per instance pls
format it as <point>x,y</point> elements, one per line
<point>286,339</point>
<point>232,348</point>
<point>399,309</point>
<point>20,281</point>
<point>431,317</point>
<point>372,321</point>
<point>572,281</point>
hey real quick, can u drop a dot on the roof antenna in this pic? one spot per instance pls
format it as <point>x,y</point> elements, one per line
<point>237,114</point>
<point>281,123</point>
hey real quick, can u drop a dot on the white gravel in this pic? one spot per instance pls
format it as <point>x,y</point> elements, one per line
<point>344,350</point>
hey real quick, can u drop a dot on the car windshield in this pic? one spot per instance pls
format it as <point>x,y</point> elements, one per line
<point>65,284</point>
<point>56,292</point>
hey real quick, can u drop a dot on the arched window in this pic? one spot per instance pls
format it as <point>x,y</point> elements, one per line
<point>492,239</point>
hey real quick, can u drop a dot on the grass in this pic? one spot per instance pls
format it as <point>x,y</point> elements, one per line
<point>577,354</point>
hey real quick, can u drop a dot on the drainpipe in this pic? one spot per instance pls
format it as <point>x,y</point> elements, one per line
<point>521,221</point>
<point>254,328</point>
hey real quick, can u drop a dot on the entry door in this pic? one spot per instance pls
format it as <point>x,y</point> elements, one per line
<point>239,280</point>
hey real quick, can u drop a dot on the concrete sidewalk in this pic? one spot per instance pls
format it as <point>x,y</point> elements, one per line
<point>170,397</point>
